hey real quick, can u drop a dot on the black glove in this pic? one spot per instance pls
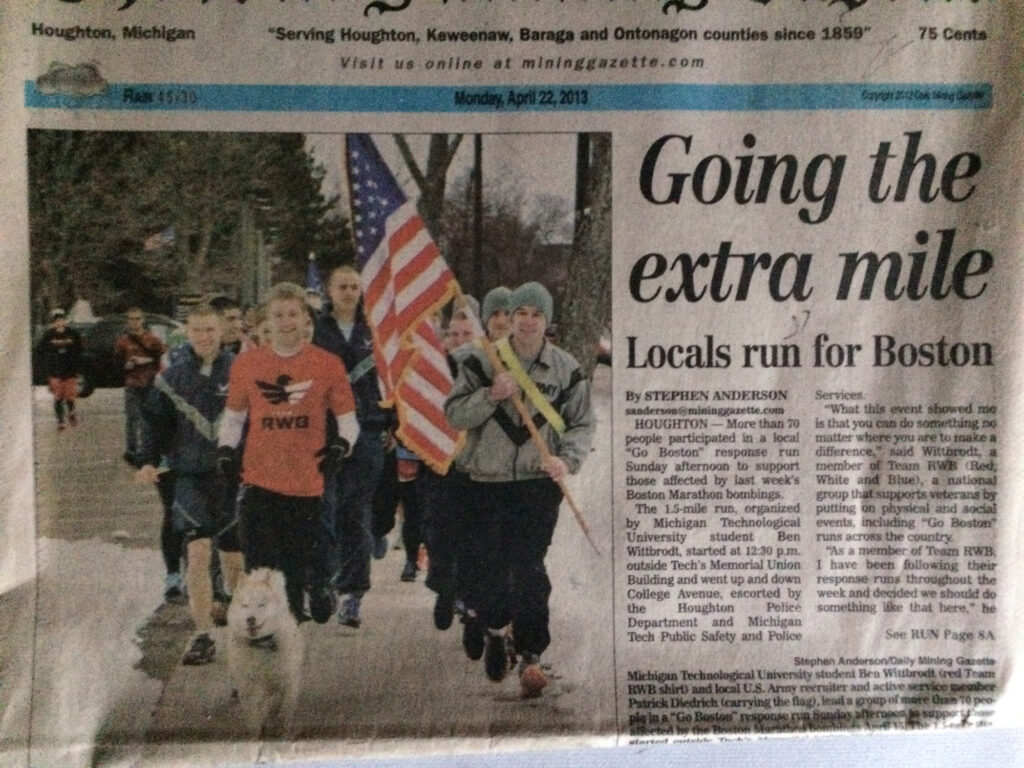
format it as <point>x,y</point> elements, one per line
<point>332,454</point>
<point>227,462</point>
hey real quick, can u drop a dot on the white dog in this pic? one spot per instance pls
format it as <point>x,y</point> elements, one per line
<point>265,653</point>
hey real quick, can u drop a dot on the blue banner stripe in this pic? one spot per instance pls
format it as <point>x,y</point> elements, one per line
<point>516,98</point>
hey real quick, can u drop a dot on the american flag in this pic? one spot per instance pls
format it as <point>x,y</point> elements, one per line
<point>159,241</point>
<point>405,282</point>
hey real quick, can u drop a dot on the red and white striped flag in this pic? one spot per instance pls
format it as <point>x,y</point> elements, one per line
<point>405,281</point>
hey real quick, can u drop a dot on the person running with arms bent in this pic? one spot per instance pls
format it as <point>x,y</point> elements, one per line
<point>179,418</point>
<point>515,482</point>
<point>286,389</point>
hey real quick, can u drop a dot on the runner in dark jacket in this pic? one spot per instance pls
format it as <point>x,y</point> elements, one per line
<point>60,351</point>
<point>348,496</point>
<point>180,417</point>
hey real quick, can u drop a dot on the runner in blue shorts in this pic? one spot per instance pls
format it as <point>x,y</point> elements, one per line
<point>180,415</point>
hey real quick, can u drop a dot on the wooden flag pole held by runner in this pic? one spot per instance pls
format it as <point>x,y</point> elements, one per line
<point>538,441</point>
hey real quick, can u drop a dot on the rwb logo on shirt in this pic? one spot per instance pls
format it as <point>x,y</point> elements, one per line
<point>283,391</point>
<point>284,422</point>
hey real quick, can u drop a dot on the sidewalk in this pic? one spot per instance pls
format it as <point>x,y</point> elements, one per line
<point>395,677</point>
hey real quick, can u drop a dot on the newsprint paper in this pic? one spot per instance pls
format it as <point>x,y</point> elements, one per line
<point>777,244</point>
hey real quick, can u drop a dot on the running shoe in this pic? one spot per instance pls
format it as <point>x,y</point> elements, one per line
<point>444,610</point>
<point>348,613</point>
<point>201,651</point>
<point>472,637</point>
<point>531,677</point>
<point>496,657</point>
<point>322,604</point>
<point>173,592</point>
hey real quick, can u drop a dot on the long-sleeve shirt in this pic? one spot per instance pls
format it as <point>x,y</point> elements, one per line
<point>181,414</point>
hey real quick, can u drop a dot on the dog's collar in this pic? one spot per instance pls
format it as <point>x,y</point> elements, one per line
<point>267,642</point>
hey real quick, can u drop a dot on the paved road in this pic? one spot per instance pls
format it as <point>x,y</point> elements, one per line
<point>396,677</point>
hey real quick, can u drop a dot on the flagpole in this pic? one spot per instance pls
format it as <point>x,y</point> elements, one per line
<point>538,440</point>
<point>348,189</point>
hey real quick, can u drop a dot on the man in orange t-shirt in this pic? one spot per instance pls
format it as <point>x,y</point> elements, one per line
<point>283,392</point>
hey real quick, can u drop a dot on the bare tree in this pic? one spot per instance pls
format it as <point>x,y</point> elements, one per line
<point>431,181</point>
<point>518,234</point>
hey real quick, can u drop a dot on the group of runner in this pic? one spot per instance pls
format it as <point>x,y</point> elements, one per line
<point>273,450</point>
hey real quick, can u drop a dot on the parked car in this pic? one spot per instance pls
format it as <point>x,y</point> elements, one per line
<point>100,367</point>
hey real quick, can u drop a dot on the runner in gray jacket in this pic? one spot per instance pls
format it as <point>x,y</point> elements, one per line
<point>516,491</point>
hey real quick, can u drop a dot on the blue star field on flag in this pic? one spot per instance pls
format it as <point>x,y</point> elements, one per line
<point>375,194</point>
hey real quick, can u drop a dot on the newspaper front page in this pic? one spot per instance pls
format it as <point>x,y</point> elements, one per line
<point>779,239</point>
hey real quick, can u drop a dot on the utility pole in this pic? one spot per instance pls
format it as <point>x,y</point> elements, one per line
<point>478,215</point>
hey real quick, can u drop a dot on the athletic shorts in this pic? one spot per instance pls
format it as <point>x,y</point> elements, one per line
<point>202,507</point>
<point>280,531</point>
<point>64,389</point>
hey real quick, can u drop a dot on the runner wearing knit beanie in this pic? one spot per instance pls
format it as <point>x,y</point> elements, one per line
<point>497,313</point>
<point>514,482</point>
